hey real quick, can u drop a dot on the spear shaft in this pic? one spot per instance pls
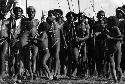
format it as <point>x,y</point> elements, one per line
<point>69,5</point>
<point>79,5</point>
<point>26,7</point>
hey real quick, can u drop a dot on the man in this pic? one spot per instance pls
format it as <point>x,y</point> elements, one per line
<point>3,46</point>
<point>11,30</point>
<point>69,30</point>
<point>27,32</point>
<point>99,26</point>
<point>54,19</point>
<point>82,30</point>
<point>114,39</point>
<point>120,14</point>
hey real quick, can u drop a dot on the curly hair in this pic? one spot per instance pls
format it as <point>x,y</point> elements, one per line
<point>17,8</point>
<point>113,21</point>
<point>31,7</point>
<point>99,13</point>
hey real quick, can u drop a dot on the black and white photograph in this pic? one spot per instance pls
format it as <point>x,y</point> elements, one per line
<point>62,42</point>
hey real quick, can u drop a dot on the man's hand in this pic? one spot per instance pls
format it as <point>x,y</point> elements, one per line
<point>97,33</point>
<point>109,37</point>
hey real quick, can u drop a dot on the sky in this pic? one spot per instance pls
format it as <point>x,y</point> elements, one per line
<point>108,6</point>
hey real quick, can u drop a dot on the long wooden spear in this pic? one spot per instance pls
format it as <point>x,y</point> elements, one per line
<point>72,5</point>
<point>58,3</point>
<point>26,7</point>
<point>79,5</point>
<point>69,5</point>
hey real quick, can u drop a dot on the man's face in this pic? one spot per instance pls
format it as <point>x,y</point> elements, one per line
<point>101,16</point>
<point>18,13</point>
<point>58,16</point>
<point>71,18</point>
<point>31,13</point>
<point>82,18</point>
<point>119,15</point>
<point>51,17</point>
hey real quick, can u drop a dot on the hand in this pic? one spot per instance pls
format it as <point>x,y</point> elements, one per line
<point>78,39</point>
<point>109,37</point>
<point>97,33</point>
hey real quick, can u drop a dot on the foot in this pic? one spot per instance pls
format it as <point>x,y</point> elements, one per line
<point>1,80</point>
<point>51,77</point>
<point>55,78</point>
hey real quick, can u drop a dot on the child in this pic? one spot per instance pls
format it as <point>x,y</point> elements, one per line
<point>42,43</point>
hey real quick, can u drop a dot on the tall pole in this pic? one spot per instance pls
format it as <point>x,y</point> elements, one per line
<point>58,3</point>
<point>69,5</point>
<point>93,6</point>
<point>72,5</point>
<point>79,5</point>
<point>26,7</point>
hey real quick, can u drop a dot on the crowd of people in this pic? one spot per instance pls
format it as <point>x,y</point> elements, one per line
<point>53,47</point>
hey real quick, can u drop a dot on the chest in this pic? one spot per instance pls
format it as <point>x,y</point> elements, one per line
<point>98,27</point>
<point>31,25</point>
<point>81,29</point>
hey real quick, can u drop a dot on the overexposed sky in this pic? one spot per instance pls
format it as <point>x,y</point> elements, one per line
<point>108,6</point>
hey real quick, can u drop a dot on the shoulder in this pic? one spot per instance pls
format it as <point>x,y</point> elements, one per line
<point>115,28</point>
<point>24,20</point>
<point>4,22</point>
<point>66,23</point>
<point>36,20</point>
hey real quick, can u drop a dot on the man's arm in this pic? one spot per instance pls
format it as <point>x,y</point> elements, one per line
<point>118,37</point>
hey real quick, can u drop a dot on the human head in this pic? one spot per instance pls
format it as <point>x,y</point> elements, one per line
<point>18,12</point>
<point>81,17</point>
<point>120,12</point>
<point>58,13</point>
<point>112,21</point>
<point>50,13</point>
<point>31,11</point>
<point>100,14</point>
<point>71,16</point>
<point>43,27</point>
<point>51,16</point>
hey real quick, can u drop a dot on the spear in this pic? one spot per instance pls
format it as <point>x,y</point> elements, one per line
<point>26,7</point>
<point>72,5</point>
<point>79,5</point>
<point>93,8</point>
<point>69,5</point>
<point>58,3</point>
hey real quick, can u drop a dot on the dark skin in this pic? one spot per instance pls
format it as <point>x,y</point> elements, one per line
<point>31,15</point>
<point>72,49</point>
<point>30,31</point>
<point>56,26</point>
<point>3,46</point>
<point>114,41</point>
<point>4,32</point>
<point>82,21</point>
<point>42,43</point>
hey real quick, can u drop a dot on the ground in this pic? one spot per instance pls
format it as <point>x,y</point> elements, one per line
<point>64,80</point>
